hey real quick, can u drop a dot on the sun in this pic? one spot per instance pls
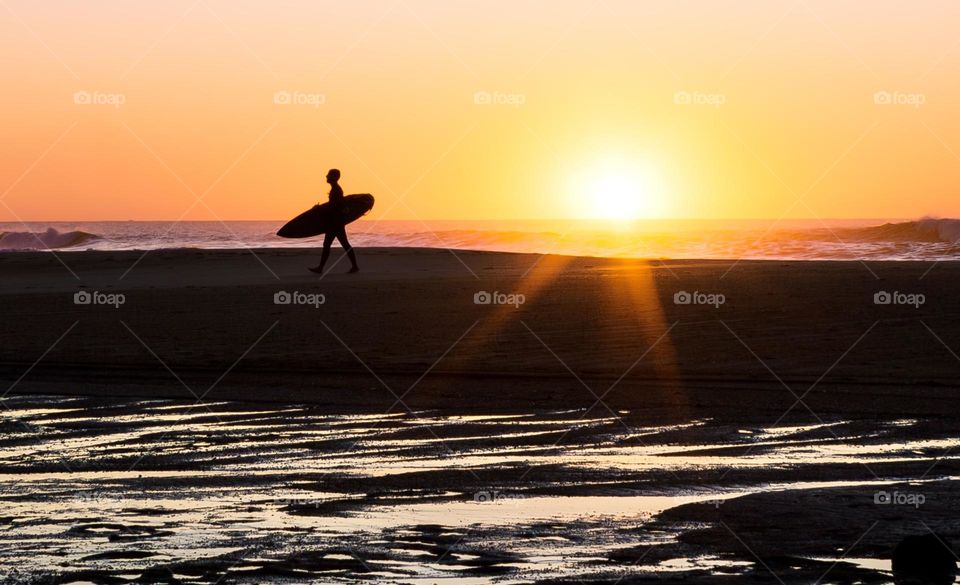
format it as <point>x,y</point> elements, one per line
<point>617,195</point>
<point>620,192</point>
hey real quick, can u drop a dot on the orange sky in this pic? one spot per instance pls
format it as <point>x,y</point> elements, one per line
<point>695,109</point>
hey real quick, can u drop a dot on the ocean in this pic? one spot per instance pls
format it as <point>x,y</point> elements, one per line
<point>863,239</point>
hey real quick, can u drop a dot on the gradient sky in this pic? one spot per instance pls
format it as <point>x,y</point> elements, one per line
<point>783,119</point>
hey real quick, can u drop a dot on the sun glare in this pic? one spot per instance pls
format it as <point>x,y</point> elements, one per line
<point>619,192</point>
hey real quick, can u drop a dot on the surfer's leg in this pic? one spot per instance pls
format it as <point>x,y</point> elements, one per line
<point>342,236</point>
<point>327,242</point>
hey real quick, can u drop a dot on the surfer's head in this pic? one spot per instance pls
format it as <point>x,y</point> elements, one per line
<point>333,175</point>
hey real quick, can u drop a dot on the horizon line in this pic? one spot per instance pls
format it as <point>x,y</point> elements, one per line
<point>493,220</point>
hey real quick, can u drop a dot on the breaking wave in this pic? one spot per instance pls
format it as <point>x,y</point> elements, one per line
<point>929,230</point>
<point>48,240</point>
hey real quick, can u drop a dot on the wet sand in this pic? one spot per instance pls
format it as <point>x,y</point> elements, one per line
<point>106,491</point>
<point>598,430</point>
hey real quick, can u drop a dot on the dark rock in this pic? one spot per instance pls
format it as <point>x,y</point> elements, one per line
<point>924,560</point>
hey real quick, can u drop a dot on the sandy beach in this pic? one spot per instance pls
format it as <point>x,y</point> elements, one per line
<point>586,327</point>
<point>588,423</point>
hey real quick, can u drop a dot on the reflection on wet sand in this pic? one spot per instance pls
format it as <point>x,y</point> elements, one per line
<point>109,491</point>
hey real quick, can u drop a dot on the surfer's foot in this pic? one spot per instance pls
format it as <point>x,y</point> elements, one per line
<point>316,269</point>
<point>354,269</point>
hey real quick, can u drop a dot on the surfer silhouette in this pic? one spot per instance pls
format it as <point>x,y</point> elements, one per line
<point>339,231</point>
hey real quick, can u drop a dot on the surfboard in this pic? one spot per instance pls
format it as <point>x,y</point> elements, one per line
<point>321,218</point>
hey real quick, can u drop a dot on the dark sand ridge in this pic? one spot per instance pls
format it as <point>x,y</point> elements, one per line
<point>784,327</point>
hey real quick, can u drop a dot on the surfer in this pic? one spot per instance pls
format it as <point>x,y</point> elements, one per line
<point>340,231</point>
